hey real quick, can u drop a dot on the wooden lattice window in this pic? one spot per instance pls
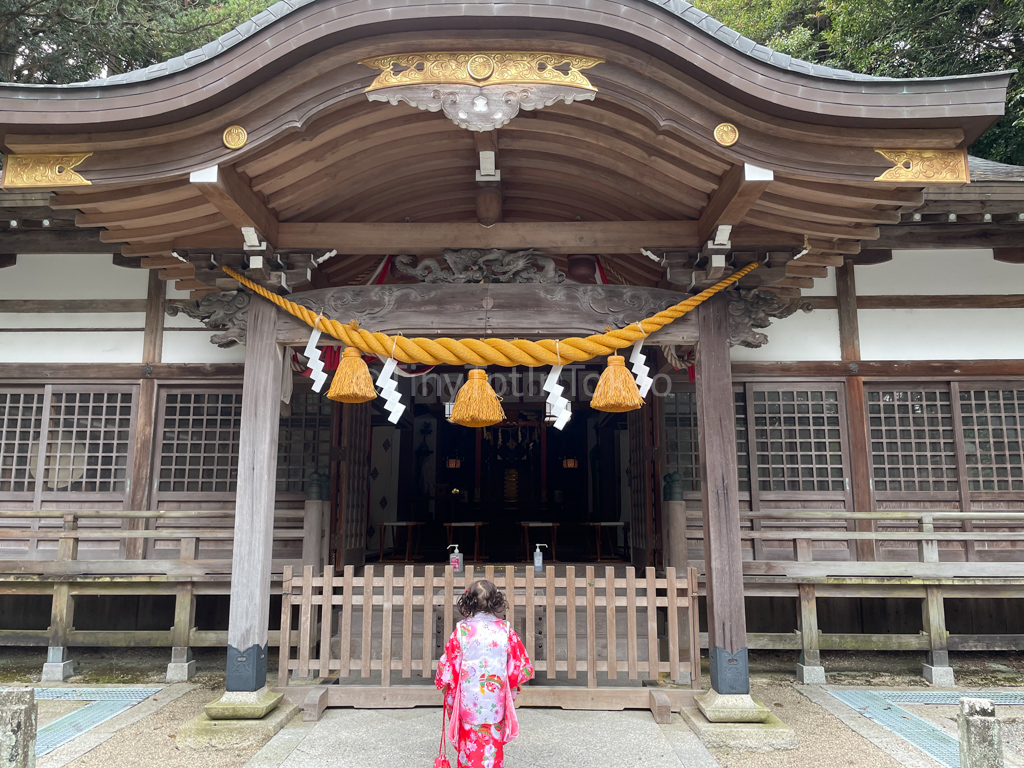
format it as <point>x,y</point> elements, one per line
<point>304,441</point>
<point>199,441</point>
<point>913,440</point>
<point>993,449</point>
<point>21,419</point>
<point>798,439</point>
<point>89,442</point>
<point>682,446</point>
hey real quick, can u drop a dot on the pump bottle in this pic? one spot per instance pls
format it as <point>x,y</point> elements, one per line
<point>455,558</point>
<point>538,558</point>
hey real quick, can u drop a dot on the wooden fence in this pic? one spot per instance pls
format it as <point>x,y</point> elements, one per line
<point>587,634</point>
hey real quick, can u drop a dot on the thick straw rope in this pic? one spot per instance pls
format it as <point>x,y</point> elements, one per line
<point>491,351</point>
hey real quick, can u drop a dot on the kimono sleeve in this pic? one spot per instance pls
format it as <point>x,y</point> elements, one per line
<point>450,663</point>
<point>520,668</point>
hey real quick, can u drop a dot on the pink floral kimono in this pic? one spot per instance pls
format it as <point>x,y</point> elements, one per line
<point>485,663</point>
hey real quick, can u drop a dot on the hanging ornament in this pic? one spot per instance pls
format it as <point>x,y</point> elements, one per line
<point>560,406</point>
<point>389,391</point>
<point>476,404</point>
<point>352,382</point>
<point>316,365</point>
<point>616,391</point>
<point>638,362</point>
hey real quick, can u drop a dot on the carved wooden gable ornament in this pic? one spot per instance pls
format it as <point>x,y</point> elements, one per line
<point>481,91</point>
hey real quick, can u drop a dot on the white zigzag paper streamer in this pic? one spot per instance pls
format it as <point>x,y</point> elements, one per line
<point>389,391</point>
<point>638,361</point>
<point>316,365</point>
<point>561,409</point>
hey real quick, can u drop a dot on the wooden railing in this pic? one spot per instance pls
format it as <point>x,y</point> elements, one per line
<point>946,554</point>
<point>392,627</point>
<point>188,573</point>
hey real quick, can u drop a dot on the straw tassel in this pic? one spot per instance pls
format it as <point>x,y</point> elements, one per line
<point>477,405</point>
<point>616,390</point>
<point>352,382</point>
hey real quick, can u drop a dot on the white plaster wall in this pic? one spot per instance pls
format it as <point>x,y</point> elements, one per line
<point>802,336</point>
<point>941,334</point>
<point>79,347</point>
<point>71,276</point>
<point>195,347</point>
<point>940,273</point>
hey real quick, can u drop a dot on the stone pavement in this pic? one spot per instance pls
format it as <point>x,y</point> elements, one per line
<point>350,738</point>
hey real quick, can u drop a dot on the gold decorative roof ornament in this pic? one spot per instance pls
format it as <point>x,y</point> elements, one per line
<point>481,68</point>
<point>726,134</point>
<point>481,91</point>
<point>43,171</point>
<point>927,166</point>
<point>234,137</point>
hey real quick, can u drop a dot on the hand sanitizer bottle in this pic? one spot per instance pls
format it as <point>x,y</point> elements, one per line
<point>455,558</point>
<point>538,559</point>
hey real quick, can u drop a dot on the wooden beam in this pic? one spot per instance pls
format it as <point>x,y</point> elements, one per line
<point>846,298</point>
<point>968,301</point>
<point>8,260</point>
<point>1009,255</point>
<point>25,242</point>
<point>560,237</point>
<point>118,371</point>
<point>921,236</point>
<point>741,186</point>
<point>71,306</point>
<point>939,369</point>
<point>236,200</point>
<point>723,557</point>
<point>873,256</point>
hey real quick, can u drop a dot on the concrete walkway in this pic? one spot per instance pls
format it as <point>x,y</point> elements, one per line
<point>350,738</point>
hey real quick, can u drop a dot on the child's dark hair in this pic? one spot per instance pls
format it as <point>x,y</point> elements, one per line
<point>482,597</point>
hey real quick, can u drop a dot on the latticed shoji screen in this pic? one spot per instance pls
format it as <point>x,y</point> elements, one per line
<point>912,438</point>
<point>198,441</point>
<point>57,440</point>
<point>682,447</point>
<point>305,441</point>
<point>992,418</point>
<point>21,423</point>
<point>799,437</point>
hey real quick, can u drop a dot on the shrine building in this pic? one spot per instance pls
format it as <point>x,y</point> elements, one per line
<point>816,291</point>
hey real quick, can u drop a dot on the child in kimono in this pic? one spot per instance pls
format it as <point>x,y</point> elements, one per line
<point>481,671</point>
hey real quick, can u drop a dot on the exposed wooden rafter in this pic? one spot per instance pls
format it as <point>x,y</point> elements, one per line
<point>236,201</point>
<point>741,186</point>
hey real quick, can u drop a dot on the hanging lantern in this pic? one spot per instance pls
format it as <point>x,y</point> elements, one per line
<point>616,390</point>
<point>454,462</point>
<point>477,405</point>
<point>570,463</point>
<point>352,382</point>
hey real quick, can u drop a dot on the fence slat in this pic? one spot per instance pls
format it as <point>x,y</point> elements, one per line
<point>305,621</point>
<point>591,639</point>
<point>326,621</point>
<point>428,621</point>
<point>528,612</point>
<point>449,603</point>
<point>387,602</point>
<point>510,594</point>
<point>609,598</point>
<point>549,629</point>
<point>673,623</point>
<point>367,620</point>
<point>407,623</point>
<point>347,601</point>
<point>652,625</point>
<point>693,623</point>
<point>570,619</point>
<point>631,621</point>
<point>285,642</point>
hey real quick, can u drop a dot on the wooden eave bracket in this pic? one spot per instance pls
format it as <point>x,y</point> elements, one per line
<point>237,202</point>
<point>741,187</point>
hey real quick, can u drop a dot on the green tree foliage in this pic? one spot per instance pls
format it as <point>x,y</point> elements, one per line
<point>65,41</point>
<point>898,38</point>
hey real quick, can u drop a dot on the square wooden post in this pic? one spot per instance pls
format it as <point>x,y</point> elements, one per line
<point>249,617</point>
<point>716,423</point>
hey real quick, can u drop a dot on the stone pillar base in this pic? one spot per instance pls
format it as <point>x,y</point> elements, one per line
<point>940,676</point>
<point>731,708</point>
<point>58,671</point>
<point>810,674</point>
<point>244,705</point>
<point>180,671</point>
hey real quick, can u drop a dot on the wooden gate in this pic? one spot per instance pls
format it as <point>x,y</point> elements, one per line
<point>378,647</point>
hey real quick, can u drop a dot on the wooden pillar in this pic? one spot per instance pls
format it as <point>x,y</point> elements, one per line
<point>59,666</point>
<point>716,421</point>
<point>249,617</point>
<point>856,410</point>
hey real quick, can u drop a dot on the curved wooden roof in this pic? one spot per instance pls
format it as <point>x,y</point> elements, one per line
<point>643,151</point>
